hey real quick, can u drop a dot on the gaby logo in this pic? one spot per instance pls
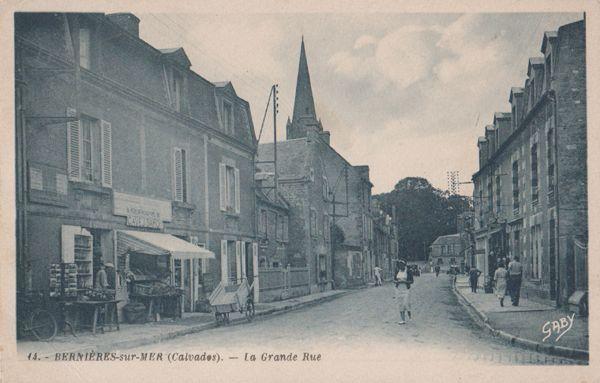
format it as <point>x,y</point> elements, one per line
<point>558,327</point>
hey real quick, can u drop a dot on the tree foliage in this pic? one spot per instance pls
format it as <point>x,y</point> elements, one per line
<point>423,213</point>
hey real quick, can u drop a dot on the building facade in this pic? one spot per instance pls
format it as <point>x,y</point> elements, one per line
<point>119,142</point>
<point>385,241</point>
<point>447,251</point>
<point>329,199</point>
<point>530,191</point>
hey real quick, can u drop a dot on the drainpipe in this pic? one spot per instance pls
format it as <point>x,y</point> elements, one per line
<point>553,98</point>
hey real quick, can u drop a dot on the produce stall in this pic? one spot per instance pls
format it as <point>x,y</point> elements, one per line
<point>161,271</point>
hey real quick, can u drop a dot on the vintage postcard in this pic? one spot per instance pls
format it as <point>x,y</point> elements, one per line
<point>285,192</point>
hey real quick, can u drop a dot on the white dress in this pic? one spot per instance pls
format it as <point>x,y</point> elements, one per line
<point>402,292</point>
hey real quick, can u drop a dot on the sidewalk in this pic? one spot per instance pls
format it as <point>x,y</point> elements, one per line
<point>135,335</point>
<point>523,324</point>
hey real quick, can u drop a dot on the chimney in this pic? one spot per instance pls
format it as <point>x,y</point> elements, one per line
<point>127,21</point>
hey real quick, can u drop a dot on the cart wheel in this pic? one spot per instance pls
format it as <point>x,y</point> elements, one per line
<point>43,325</point>
<point>250,311</point>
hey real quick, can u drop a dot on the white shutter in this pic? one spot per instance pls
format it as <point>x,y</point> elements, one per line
<point>237,191</point>
<point>73,146</point>
<point>222,191</point>
<point>178,175</point>
<point>224,273</point>
<point>238,261</point>
<point>106,152</point>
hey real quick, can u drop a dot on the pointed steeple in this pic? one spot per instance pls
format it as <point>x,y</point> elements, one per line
<point>304,104</point>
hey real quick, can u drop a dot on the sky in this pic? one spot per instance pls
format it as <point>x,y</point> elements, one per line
<point>406,94</point>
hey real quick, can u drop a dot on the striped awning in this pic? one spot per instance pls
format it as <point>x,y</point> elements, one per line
<point>159,244</point>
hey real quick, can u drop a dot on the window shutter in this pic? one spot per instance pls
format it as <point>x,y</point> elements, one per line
<point>224,276</point>
<point>178,175</point>
<point>222,192</point>
<point>238,261</point>
<point>244,261</point>
<point>237,191</point>
<point>106,153</point>
<point>73,146</point>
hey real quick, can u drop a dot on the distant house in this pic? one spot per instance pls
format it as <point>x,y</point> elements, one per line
<point>447,250</point>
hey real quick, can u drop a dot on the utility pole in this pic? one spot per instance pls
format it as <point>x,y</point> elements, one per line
<point>275,91</point>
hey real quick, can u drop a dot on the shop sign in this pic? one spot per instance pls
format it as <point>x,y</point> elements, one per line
<point>142,211</point>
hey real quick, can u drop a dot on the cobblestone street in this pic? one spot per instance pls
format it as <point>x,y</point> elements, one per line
<point>441,327</point>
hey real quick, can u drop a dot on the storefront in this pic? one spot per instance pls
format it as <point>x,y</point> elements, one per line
<point>151,257</point>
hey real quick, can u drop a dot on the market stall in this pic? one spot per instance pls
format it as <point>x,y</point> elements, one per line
<point>161,270</point>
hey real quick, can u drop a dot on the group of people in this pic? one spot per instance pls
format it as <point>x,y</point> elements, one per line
<point>507,279</point>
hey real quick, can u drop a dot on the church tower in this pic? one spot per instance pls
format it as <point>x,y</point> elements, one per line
<point>304,105</point>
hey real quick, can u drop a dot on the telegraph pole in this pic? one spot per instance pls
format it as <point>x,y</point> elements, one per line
<point>275,91</point>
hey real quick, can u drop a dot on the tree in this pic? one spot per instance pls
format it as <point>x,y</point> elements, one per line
<point>423,213</point>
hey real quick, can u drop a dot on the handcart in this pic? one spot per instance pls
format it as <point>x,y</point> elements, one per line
<point>226,299</point>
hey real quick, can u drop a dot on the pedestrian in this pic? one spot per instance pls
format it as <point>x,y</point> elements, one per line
<point>474,274</point>
<point>377,271</point>
<point>101,278</point>
<point>437,270</point>
<point>500,279</point>
<point>515,275</point>
<point>404,280</point>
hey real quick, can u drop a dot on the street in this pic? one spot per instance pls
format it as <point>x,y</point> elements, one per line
<point>441,328</point>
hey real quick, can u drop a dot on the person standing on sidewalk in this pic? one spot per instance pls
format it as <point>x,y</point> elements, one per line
<point>474,274</point>
<point>515,275</point>
<point>500,278</point>
<point>437,270</point>
<point>377,271</point>
<point>404,280</point>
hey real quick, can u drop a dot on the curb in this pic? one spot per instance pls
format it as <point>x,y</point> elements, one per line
<point>159,338</point>
<point>565,352</point>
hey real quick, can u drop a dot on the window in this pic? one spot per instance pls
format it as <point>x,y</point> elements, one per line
<point>548,72</point>
<point>177,89</point>
<point>534,174</point>
<point>515,186</point>
<point>516,243</point>
<point>322,267</point>
<point>285,228</point>
<point>228,116</point>
<point>498,194</point>
<point>264,222</point>
<point>536,252</point>
<point>326,227</point>
<point>313,222</point>
<point>490,196</point>
<point>84,48</point>
<point>550,163</point>
<point>279,227</point>
<point>87,126</point>
<point>89,150</point>
<point>229,182</point>
<point>325,188</point>
<point>180,190</point>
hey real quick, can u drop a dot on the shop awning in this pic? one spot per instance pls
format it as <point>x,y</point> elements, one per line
<point>160,244</point>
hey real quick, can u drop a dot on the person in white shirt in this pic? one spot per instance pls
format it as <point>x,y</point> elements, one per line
<point>377,271</point>
<point>403,282</point>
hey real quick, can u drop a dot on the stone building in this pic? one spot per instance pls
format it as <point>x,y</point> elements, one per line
<point>385,241</point>
<point>447,250</point>
<point>124,151</point>
<point>329,199</point>
<point>530,191</point>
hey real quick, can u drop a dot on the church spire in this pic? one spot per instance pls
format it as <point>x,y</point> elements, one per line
<point>304,105</point>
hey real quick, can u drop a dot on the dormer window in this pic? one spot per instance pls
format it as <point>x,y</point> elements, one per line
<point>84,48</point>
<point>176,89</point>
<point>227,117</point>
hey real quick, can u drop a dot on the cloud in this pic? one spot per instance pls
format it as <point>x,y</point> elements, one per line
<point>364,41</point>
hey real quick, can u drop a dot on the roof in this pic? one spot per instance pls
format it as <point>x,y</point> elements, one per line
<point>534,61</point>
<point>447,240</point>
<point>547,36</point>
<point>515,90</point>
<point>291,157</point>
